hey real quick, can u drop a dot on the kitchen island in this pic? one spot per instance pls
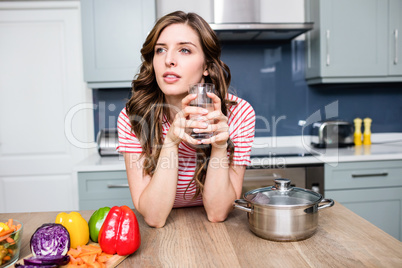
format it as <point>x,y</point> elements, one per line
<point>343,239</point>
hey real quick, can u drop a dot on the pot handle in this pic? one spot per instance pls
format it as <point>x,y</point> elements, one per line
<point>329,201</point>
<point>237,205</point>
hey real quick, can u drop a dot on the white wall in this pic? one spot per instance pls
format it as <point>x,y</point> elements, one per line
<point>282,11</point>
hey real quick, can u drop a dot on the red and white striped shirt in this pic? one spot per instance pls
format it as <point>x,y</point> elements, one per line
<point>241,121</point>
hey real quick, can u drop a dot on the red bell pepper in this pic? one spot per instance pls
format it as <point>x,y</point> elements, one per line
<point>120,232</point>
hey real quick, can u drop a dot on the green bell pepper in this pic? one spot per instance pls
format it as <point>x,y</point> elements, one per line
<point>96,221</point>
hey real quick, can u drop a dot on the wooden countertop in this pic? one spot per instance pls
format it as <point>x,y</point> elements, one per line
<point>343,239</point>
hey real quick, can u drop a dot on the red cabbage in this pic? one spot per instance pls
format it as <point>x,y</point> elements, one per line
<point>35,266</point>
<point>47,260</point>
<point>51,239</point>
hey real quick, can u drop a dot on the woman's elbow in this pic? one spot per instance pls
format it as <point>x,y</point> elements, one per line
<point>155,223</point>
<point>217,218</point>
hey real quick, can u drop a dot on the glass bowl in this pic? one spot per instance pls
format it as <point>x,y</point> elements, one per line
<point>10,245</point>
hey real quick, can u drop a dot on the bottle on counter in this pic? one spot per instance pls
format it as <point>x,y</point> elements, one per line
<point>367,131</point>
<point>358,132</point>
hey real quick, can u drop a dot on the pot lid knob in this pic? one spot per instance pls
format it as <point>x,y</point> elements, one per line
<point>282,184</point>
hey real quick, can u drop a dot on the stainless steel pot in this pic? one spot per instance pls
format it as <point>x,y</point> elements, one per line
<point>282,212</point>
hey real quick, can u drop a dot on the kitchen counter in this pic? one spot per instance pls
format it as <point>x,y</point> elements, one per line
<point>343,239</point>
<point>382,149</point>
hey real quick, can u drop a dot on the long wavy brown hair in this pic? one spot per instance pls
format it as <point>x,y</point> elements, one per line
<point>147,106</point>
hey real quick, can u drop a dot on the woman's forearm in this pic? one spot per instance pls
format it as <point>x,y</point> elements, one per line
<point>219,193</point>
<point>157,199</point>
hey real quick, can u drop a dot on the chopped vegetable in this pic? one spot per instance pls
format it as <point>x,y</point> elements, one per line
<point>120,232</point>
<point>47,260</point>
<point>3,227</point>
<point>88,255</point>
<point>9,238</point>
<point>5,233</point>
<point>50,239</point>
<point>3,254</point>
<point>96,221</point>
<point>76,225</point>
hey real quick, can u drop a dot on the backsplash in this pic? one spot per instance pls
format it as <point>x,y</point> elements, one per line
<point>271,78</point>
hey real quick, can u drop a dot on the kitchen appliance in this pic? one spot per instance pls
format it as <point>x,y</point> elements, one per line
<point>335,133</point>
<point>239,20</point>
<point>270,163</point>
<point>107,140</point>
<point>282,212</point>
<point>307,176</point>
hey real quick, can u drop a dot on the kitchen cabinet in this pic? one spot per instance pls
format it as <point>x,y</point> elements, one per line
<point>354,41</point>
<point>395,37</point>
<point>41,92</point>
<point>103,188</point>
<point>112,34</point>
<point>371,189</point>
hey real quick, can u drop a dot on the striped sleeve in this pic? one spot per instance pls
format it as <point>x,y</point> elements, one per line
<point>128,141</point>
<point>241,122</point>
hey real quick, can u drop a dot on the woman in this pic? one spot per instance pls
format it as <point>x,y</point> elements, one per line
<point>166,167</point>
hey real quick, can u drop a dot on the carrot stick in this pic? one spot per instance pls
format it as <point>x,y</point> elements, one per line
<point>73,260</point>
<point>4,238</point>
<point>10,240</point>
<point>4,233</point>
<point>10,223</point>
<point>6,258</point>
<point>103,258</point>
<point>74,252</point>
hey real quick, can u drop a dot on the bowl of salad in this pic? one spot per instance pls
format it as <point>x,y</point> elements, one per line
<point>10,241</point>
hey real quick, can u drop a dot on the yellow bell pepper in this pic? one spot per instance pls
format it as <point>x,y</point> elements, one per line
<point>76,225</point>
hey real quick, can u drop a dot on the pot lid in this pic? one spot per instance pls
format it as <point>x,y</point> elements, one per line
<point>282,194</point>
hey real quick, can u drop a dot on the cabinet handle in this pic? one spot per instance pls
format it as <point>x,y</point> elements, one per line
<point>117,185</point>
<point>396,46</point>
<point>383,174</point>
<point>308,51</point>
<point>261,177</point>
<point>327,47</point>
<point>273,175</point>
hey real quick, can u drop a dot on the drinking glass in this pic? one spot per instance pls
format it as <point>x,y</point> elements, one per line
<point>203,101</point>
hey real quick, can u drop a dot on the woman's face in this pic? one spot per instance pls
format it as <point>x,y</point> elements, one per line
<point>178,60</point>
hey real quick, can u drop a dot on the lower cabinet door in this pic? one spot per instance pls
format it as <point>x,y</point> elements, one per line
<point>381,206</point>
<point>100,189</point>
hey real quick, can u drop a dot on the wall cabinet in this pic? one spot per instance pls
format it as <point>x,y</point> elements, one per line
<point>395,38</point>
<point>372,190</point>
<point>354,41</point>
<point>113,33</point>
<point>103,188</point>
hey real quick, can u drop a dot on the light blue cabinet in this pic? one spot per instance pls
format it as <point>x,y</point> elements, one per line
<point>371,189</point>
<point>113,33</point>
<point>103,188</point>
<point>395,37</point>
<point>353,41</point>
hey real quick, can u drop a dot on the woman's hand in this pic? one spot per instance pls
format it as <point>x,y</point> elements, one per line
<point>181,126</point>
<point>219,127</point>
